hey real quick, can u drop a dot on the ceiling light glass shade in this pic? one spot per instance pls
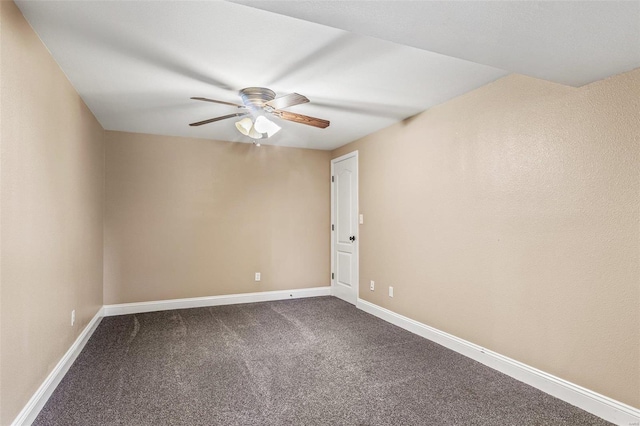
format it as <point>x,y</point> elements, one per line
<point>254,134</point>
<point>244,126</point>
<point>264,125</point>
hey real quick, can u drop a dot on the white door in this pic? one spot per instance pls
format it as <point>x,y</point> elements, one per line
<point>344,219</point>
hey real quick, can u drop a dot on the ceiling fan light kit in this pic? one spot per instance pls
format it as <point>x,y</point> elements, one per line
<point>262,128</point>
<point>257,101</point>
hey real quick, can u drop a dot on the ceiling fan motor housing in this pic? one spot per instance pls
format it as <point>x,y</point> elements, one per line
<point>256,97</point>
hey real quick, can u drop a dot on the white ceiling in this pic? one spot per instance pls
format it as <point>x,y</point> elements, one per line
<point>136,64</point>
<point>568,42</point>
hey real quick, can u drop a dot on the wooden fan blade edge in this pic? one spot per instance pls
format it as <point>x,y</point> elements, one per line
<point>224,117</point>
<point>217,102</point>
<point>302,119</point>
<point>287,101</point>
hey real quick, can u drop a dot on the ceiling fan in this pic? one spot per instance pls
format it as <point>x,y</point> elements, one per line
<point>256,101</point>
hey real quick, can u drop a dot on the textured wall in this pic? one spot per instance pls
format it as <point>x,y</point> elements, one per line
<point>510,217</point>
<point>51,183</point>
<point>193,217</point>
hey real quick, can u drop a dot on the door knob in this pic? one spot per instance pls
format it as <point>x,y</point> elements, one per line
<point>352,238</point>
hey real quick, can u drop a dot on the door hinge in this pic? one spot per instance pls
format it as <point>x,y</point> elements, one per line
<point>331,178</point>
<point>332,275</point>
<point>332,227</point>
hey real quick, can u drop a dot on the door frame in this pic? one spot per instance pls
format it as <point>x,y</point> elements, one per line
<point>357,231</point>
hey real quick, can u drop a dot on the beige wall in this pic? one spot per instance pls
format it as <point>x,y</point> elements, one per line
<point>510,217</point>
<point>193,217</point>
<point>52,157</point>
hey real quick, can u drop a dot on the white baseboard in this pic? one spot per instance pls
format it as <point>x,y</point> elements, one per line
<point>41,396</point>
<point>599,405</point>
<point>199,302</point>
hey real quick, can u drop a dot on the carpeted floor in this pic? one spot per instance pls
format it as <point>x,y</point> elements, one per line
<point>313,361</point>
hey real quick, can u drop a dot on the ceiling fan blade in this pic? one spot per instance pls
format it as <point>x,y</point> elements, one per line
<point>302,119</point>
<point>219,102</point>
<point>224,117</point>
<point>287,101</point>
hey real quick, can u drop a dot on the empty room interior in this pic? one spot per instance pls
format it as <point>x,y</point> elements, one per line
<point>319,212</point>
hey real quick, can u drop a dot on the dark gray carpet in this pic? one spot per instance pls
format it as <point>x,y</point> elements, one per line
<point>313,361</point>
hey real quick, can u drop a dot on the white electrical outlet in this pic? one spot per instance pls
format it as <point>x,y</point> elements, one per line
<point>73,317</point>
<point>257,276</point>
<point>372,286</point>
<point>361,219</point>
<point>390,291</point>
